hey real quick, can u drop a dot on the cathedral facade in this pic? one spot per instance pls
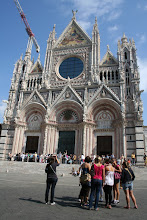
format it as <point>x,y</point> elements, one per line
<point>75,102</point>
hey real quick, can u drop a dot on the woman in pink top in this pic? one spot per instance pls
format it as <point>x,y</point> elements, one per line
<point>96,182</point>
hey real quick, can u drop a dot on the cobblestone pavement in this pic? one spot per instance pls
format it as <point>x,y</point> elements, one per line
<point>22,189</point>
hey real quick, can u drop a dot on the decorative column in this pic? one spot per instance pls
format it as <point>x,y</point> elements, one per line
<point>14,141</point>
<point>84,139</point>
<point>45,141</point>
<point>124,140</point>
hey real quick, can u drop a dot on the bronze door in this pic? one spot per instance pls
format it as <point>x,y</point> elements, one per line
<point>32,144</point>
<point>104,145</point>
<point>66,142</point>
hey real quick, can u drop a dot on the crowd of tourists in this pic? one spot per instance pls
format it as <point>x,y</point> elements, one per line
<point>64,158</point>
<point>97,175</point>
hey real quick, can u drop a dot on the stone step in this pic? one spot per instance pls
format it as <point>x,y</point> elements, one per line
<point>32,167</point>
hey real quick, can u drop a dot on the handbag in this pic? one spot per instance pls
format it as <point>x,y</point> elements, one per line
<point>117,175</point>
<point>85,178</point>
<point>92,173</point>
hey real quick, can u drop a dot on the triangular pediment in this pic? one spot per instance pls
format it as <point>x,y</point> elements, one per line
<point>102,93</point>
<point>68,94</point>
<point>108,59</point>
<point>37,67</point>
<point>35,97</point>
<point>73,35</point>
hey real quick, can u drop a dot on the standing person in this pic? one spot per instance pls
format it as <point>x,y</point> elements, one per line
<point>82,158</point>
<point>127,183</point>
<point>117,177</point>
<point>133,158</point>
<point>85,170</point>
<point>51,178</point>
<point>122,159</point>
<point>108,182</point>
<point>96,182</point>
<point>145,159</point>
<point>35,157</point>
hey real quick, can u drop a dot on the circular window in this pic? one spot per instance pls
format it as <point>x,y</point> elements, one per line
<point>71,67</point>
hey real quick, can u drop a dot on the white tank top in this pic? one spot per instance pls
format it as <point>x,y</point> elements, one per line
<point>109,178</point>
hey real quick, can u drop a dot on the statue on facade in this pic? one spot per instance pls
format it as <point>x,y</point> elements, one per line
<point>74,14</point>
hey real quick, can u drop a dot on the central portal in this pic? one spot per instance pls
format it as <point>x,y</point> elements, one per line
<point>104,145</point>
<point>66,142</point>
<point>32,144</point>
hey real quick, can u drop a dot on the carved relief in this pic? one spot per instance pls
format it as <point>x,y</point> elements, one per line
<point>68,116</point>
<point>104,120</point>
<point>34,122</point>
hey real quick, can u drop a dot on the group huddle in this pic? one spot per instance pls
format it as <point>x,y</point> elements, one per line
<point>94,179</point>
<point>107,176</point>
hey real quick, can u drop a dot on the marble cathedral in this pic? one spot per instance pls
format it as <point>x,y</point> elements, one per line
<point>75,102</point>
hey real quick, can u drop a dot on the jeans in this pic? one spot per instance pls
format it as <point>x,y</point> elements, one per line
<point>96,186</point>
<point>127,185</point>
<point>50,182</point>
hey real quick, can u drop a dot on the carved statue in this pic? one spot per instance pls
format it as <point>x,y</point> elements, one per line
<point>74,14</point>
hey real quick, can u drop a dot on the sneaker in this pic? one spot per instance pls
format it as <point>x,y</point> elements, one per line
<point>53,203</point>
<point>117,202</point>
<point>101,200</point>
<point>113,202</point>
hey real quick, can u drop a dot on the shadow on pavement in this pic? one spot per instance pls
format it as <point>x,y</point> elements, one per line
<point>32,200</point>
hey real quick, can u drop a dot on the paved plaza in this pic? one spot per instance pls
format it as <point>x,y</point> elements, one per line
<point>22,189</point>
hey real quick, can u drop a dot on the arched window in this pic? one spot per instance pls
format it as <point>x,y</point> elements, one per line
<point>112,75</point>
<point>34,82</point>
<point>31,82</point>
<point>108,75</point>
<point>105,75</point>
<point>28,83</point>
<point>101,76</point>
<point>127,77</point>
<point>116,75</point>
<point>126,57</point>
<point>23,68</point>
<point>40,81</point>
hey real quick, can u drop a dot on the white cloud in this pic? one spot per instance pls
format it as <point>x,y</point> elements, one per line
<point>109,9</point>
<point>113,28</point>
<point>84,24</point>
<point>114,15</point>
<point>2,109</point>
<point>142,39</point>
<point>145,7</point>
<point>142,63</point>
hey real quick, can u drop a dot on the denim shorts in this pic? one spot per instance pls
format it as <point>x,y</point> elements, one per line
<point>127,185</point>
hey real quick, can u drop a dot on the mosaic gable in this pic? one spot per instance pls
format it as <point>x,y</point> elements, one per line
<point>109,60</point>
<point>73,37</point>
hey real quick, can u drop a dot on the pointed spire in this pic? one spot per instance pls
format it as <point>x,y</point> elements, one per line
<point>33,60</point>
<point>54,32</point>
<point>118,43</point>
<point>21,56</point>
<point>108,49</point>
<point>38,57</point>
<point>96,20</point>
<point>133,42</point>
<point>124,39</point>
<point>95,26</point>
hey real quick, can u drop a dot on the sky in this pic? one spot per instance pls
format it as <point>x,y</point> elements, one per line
<point>114,17</point>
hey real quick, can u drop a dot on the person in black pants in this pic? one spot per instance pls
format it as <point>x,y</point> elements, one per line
<point>51,178</point>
